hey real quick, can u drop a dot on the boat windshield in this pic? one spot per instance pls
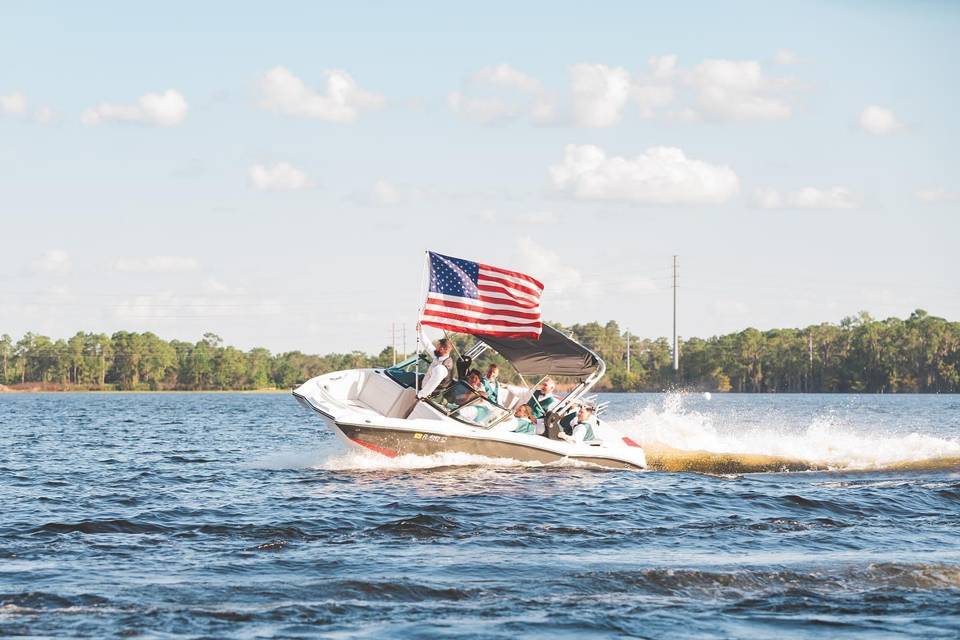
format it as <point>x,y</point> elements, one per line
<point>405,372</point>
<point>462,402</point>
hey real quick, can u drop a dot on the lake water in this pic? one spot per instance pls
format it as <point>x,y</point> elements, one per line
<point>240,515</point>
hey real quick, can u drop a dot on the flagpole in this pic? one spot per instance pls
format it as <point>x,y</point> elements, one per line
<point>420,299</point>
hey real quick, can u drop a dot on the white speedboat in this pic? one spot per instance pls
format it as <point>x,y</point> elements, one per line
<point>378,409</point>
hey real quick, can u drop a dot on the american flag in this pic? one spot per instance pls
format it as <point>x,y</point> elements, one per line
<point>479,299</point>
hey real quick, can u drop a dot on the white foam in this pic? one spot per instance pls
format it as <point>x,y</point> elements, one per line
<point>8,611</point>
<point>367,461</point>
<point>822,441</point>
<point>363,460</point>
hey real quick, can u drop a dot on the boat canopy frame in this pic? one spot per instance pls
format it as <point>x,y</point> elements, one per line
<point>554,354</point>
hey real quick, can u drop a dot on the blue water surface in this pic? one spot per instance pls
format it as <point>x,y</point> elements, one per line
<point>222,515</point>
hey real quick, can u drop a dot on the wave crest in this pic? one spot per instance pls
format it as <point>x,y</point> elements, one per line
<point>823,443</point>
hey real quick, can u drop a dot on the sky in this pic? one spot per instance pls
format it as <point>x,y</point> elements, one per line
<point>274,172</point>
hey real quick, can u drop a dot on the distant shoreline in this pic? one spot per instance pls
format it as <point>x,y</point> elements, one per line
<point>34,389</point>
<point>5,390</point>
<point>919,354</point>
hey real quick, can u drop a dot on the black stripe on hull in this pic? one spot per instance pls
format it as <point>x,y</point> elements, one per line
<point>394,442</point>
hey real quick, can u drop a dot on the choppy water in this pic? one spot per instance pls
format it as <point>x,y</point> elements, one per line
<point>240,515</point>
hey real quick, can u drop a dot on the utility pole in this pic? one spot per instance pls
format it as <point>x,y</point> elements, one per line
<point>676,350</point>
<point>628,352</point>
<point>393,341</point>
<point>403,331</point>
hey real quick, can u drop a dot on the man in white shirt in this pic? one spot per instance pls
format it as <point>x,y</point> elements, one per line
<point>580,427</point>
<point>440,372</point>
<point>491,385</point>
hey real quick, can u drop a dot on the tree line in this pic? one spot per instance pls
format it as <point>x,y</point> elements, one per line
<point>920,354</point>
<point>860,354</point>
<point>143,361</point>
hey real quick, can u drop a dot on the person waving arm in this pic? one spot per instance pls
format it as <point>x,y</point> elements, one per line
<point>427,345</point>
<point>441,369</point>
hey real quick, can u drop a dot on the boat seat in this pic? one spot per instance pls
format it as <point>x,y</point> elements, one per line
<point>404,404</point>
<point>511,396</point>
<point>385,397</point>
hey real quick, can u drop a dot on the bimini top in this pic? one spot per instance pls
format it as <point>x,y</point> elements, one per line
<point>553,354</point>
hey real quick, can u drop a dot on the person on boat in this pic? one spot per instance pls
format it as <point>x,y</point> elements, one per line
<point>525,422</point>
<point>475,381</point>
<point>470,387</point>
<point>490,384</point>
<point>439,374</point>
<point>579,427</point>
<point>463,366</point>
<point>463,394</point>
<point>520,422</point>
<point>542,399</point>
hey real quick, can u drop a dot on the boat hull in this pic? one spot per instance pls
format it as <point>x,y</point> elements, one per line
<point>343,401</point>
<point>397,442</point>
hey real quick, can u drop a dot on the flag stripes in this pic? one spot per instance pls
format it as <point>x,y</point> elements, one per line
<point>480,299</point>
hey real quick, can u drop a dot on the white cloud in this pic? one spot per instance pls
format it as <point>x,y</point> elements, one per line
<point>16,104</point>
<point>179,309</point>
<point>786,57</point>
<point>805,198</point>
<point>521,219</point>
<point>213,285</point>
<point>663,67</point>
<point>737,90</point>
<point>157,264</point>
<point>557,277</point>
<point>599,94</point>
<point>937,195</point>
<point>44,115</point>
<point>685,115</point>
<point>660,176</point>
<point>55,261</point>
<point>13,104</point>
<point>716,90</point>
<point>341,99</point>
<point>482,110</point>
<point>385,193</point>
<point>655,90</point>
<point>165,109</point>
<point>489,216</point>
<point>650,97</point>
<point>879,120</point>
<point>280,177</point>
<point>500,93</point>
<point>506,76</point>
<point>536,218</point>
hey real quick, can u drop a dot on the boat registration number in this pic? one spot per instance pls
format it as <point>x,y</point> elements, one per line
<point>429,437</point>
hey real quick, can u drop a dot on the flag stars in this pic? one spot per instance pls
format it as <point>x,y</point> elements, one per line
<point>453,276</point>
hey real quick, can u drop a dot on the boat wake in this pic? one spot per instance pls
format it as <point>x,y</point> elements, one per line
<point>366,461</point>
<point>678,439</point>
<point>357,460</point>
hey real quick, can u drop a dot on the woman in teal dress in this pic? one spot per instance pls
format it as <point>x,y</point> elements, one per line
<point>525,420</point>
